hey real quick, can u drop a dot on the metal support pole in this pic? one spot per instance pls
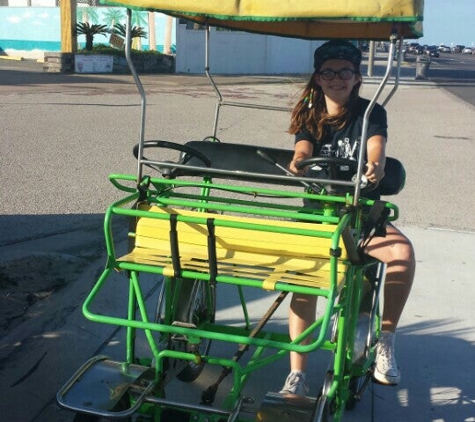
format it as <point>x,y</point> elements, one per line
<point>371,58</point>
<point>138,83</point>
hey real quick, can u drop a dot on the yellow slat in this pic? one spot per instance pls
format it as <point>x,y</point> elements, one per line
<point>269,257</point>
<point>149,229</point>
<point>304,272</point>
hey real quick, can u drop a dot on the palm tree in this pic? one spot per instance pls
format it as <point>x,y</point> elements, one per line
<point>135,31</point>
<point>85,28</point>
<point>140,19</point>
<point>152,41</point>
<point>167,43</point>
<point>88,14</point>
<point>112,16</point>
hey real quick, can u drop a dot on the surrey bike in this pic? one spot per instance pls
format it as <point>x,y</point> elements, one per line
<point>228,215</point>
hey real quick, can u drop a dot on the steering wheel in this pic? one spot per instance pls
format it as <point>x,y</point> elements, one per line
<point>166,171</point>
<point>332,164</point>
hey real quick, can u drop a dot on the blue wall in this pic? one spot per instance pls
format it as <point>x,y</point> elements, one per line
<point>38,28</point>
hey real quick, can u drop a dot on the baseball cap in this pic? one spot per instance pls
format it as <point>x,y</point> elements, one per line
<point>337,49</point>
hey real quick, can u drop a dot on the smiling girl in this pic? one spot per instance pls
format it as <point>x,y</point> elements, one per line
<point>328,121</point>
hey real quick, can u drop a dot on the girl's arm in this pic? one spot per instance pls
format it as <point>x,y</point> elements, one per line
<point>303,149</point>
<point>376,154</point>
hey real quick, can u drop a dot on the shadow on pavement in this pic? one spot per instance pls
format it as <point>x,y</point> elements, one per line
<point>437,378</point>
<point>20,228</point>
<point>31,75</point>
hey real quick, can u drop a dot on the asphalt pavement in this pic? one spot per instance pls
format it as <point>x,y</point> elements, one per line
<point>63,134</point>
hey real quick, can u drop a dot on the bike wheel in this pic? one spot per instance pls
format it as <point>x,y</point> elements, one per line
<point>324,414</point>
<point>367,334</point>
<point>355,387</point>
<point>193,303</point>
<point>203,309</point>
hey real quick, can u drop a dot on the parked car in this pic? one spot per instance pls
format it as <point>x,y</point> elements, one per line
<point>432,51</point>
<point>468,50</point>
<point>411,47</point>
<point>458,48</point>
<point>418,49</point>
<point>363,45</point>
<point>444,49</point>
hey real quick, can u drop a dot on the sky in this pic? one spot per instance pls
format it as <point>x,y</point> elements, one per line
<point>449,22</point>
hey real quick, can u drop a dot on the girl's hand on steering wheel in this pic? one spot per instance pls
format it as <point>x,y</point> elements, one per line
<point>303,150</point>
<point>294,169</point>
<point>374,172</point>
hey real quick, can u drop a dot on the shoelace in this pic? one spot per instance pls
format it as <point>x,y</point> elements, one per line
<point>293,381</point>
<point>387,357</point>
<point>385,353</point>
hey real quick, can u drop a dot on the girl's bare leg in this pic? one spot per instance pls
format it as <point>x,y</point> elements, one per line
<point>301,316</point>
<point>396,251</point>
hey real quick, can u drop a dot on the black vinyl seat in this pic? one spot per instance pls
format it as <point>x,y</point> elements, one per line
<point>239,159</point>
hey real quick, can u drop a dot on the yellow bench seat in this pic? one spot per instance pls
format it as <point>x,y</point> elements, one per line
<point>258,252</point>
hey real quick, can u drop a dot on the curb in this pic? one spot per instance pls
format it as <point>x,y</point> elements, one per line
<point>18,58</point>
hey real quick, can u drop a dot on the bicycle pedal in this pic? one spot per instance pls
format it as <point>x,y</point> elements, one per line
<point>177,338</point>
<point>183,324</point>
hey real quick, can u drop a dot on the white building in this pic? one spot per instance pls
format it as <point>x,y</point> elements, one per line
<point>233,52</point>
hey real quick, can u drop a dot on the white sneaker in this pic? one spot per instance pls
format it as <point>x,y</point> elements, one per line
<point>295,384</point>
<point>386,370</point>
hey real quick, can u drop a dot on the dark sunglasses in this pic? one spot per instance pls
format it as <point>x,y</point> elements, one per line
<point>344,74</point>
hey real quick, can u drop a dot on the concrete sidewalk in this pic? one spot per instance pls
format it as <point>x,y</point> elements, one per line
<point>61,165</point>
<point>436,344</point>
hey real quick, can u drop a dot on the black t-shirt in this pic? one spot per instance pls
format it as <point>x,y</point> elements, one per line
<point>345,143</point>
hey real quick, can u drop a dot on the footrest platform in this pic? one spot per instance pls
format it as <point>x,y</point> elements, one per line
<point>100,384</point>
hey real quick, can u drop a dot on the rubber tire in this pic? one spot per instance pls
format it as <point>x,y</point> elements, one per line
<point>190,290</point>
<point>326,415</point>
<point>192,370</point>
<point>353,388</point>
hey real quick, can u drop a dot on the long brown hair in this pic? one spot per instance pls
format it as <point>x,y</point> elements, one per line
<point>311,113</point>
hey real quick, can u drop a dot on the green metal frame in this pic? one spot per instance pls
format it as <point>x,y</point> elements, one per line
<point>343,305</point>
<point>342,213</point>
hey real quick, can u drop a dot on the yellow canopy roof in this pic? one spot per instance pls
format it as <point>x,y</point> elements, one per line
<point>308,19</point>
